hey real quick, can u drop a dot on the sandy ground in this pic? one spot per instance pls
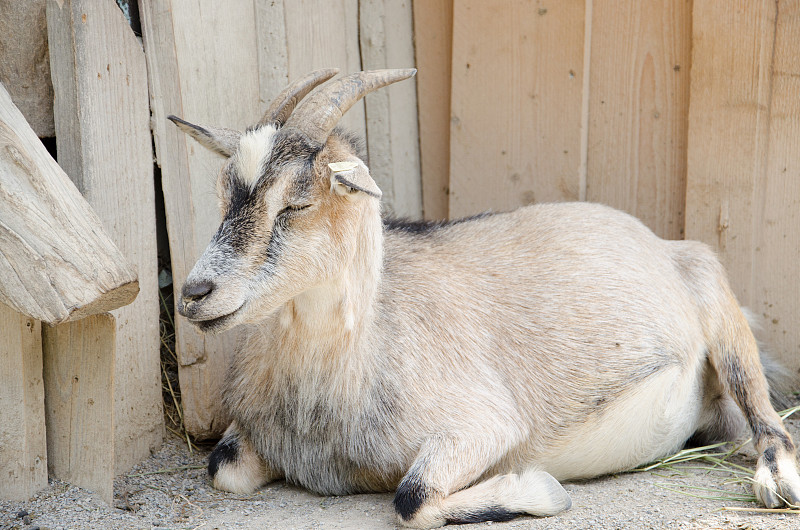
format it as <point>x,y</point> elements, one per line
<point>171,490</point>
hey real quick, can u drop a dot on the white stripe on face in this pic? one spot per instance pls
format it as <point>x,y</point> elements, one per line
<point>254,149</point>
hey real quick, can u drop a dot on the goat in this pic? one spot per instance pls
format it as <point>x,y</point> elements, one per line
<point>468,365</point>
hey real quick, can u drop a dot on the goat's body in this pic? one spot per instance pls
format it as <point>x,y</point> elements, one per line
<point>565,380</point>
<point>463,364</point>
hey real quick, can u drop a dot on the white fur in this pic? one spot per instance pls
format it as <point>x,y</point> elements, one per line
<point>255,147</point>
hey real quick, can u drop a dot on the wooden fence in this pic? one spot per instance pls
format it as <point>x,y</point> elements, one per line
<point>682,113</point>
<point>685,114</point>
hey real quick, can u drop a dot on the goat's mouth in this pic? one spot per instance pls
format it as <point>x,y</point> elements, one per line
<point>218,323</point>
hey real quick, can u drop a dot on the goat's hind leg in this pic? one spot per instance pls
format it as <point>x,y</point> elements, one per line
<point>430,494</point>
<point>235,466</point>
<point>735,358</point>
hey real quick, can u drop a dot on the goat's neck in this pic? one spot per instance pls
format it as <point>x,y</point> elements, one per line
<point>339,312</point>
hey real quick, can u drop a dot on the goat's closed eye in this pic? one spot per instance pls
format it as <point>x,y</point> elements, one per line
<point>293,208</point>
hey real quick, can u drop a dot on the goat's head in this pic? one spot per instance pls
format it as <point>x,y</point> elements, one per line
<point>292,192</point>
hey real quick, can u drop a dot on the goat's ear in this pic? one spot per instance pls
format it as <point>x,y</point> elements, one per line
<point>218,139</point>
<point>352,179</point>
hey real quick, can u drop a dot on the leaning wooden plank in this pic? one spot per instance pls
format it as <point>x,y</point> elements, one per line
<point>213,80</point>
<point>56,261</point>
<point>25,64</point>
<point>638,110</point>
<point>387,41</point>
<point>516,104</point>
<point>742,188</point>
<point>23,450</point>
<point>105,146</point>
<point>79,385</point>
<point>433,40</point>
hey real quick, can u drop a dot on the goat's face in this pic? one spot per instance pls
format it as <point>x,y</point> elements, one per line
<point>293,205</point>
<point>287,225</point>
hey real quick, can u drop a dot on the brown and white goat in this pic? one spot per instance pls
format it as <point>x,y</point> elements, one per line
<point>469,365</point>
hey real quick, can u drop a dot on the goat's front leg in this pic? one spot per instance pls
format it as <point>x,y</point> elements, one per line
<point>431,494</point>
<point>235,466</point>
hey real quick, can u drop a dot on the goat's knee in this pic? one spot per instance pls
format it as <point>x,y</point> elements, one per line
<point>235,466</point>
<point>436,490</point>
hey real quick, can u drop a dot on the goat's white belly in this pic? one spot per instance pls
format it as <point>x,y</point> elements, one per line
<point>651,421</point>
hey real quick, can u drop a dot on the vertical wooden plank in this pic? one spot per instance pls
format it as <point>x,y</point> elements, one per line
<point>743,195</point>
<point>273,52</point>
<point>324,34</point>
<point>105,146</point>
<point>212,79</point>
<point>776,256</point>
<point>79,402</point>
<point>386,35</point>
<point>638,110</point>
<point>433,40</point>
<point>516,103</point>
<point>23,449</point>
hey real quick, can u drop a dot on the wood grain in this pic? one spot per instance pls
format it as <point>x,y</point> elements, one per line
<point>25,64</point>
<point>516,104</point>
<point>324,34</point>
<point>386,36</point>
<point>742,188</point>
<point>433,39</point>
<point>56,261</point>
<point>105,146</point>
<point>79,389</point>
<point>638,110</point>
<point>23,449</point>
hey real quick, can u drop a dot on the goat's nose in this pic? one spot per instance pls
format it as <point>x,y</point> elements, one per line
<point>193,291</point>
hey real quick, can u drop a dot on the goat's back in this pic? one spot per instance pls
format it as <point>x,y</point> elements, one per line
<point>551,311</point>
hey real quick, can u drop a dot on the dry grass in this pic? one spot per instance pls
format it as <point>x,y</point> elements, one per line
<point>715,459</point>
<point>173,409</point>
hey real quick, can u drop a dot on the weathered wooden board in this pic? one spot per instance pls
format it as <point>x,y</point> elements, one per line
<point>80,413</point>
<point>23,449</point>
<point>638,108</point>
<point>56,261</point>
<point>743,194</point>
<point>211,79</point>
<point>516,103</point>
<point>25,64</point>
<point>433,39</point>
<point>386,32</point>
<point>104,144</point>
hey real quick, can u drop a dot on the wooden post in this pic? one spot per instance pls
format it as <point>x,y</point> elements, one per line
<point>105,146</point>
<point>56,261</point>
<point>79,403</point>
<point>23,451</point>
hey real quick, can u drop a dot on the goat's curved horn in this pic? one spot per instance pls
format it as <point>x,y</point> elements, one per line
<point>318,115</point>
<point>283,105</point>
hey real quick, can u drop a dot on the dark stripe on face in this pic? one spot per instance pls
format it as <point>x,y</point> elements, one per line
<point>245,212</point>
